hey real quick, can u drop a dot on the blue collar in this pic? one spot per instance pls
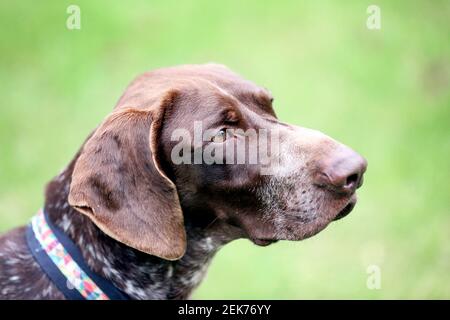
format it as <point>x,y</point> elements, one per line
<point>63,263</point>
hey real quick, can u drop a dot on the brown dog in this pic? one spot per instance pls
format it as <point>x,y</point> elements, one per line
<point>150,224</point>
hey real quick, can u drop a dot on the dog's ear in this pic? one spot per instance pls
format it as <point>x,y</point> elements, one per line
<point>118,183</point>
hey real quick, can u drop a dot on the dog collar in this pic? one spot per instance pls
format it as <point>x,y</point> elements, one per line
<point>63,263</point>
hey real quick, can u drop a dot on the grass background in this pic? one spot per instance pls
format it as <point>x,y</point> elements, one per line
<point>385,93</point>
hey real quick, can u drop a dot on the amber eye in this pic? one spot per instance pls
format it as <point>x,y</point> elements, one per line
<point>219,136</point>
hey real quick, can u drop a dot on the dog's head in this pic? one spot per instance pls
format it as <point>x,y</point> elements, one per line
<point>200,140</point>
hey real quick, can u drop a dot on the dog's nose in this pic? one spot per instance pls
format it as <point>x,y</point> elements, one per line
<point>341,172</point>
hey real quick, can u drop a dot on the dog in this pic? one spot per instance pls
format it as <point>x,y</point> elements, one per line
<point>149,227</point>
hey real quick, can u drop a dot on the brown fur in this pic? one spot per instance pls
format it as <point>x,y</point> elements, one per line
<point>150,226</point>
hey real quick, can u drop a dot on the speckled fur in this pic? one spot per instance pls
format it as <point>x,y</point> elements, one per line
<point>139,275</point>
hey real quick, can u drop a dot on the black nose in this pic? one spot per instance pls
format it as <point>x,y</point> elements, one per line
<point>342,171</point>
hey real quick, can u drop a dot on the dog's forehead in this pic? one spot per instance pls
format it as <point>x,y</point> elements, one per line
<point>148,87</point>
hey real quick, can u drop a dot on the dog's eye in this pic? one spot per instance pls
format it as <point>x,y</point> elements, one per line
<point>219,136</point>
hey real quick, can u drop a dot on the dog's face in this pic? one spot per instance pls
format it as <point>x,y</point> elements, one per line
<point>306,181</point>
<point>148,164</point>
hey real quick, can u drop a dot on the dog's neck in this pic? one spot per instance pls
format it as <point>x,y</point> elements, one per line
<point>140,275</point>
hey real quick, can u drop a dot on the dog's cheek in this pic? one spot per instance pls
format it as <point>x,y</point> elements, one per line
<point>283,195</point>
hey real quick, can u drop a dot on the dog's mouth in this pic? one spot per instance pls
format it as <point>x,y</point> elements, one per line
<point>301,228</point>
<point>347,209</point>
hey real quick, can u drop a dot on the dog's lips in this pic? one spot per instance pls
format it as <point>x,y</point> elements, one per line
<point>347,209</point>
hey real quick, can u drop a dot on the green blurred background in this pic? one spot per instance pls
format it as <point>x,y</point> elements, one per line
<point>383,92</point>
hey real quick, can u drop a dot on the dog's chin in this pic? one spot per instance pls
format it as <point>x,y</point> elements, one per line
<point>263,242</point>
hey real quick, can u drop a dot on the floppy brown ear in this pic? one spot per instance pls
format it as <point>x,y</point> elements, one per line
<point>118,183</point>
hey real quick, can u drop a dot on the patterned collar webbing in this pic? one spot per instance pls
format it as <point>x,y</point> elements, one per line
<point>63,263</point>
